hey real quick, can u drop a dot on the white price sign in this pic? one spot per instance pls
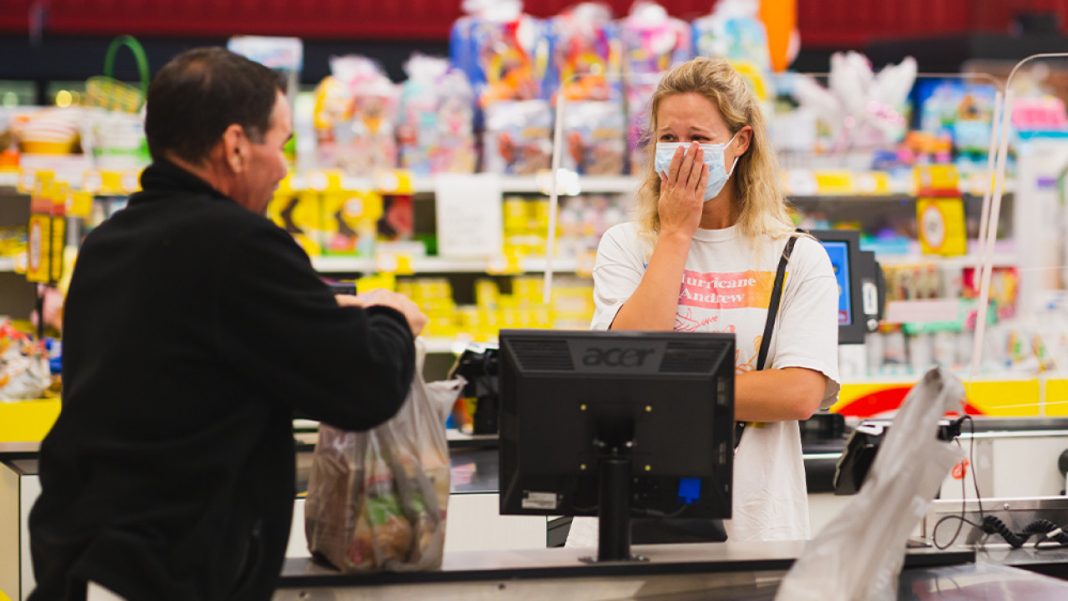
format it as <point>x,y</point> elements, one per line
<point>469,214</point>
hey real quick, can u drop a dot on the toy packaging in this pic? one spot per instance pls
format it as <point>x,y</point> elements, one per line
<point>354,115</point>
<point>24,372</point>
<point>503,52</point>
<point>652,43</point>
<point>377,500</point>
<point>300,215</point>
<point>517,140</point>
<point>436,119</point>
<point>733,31</point>
<point>588,57</point>
<point>505,55</point>
<point>349,219</point>
<point>595,137</point>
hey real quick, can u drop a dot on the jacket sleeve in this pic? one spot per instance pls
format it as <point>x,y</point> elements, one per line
<point>281,329</point>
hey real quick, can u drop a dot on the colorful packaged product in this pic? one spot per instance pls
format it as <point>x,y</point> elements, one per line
<point>355,114</point>
<point>349,219</point>
<point>436,118</point>
<point>24,371</point>
<point>299,214</point>
<point>588,53</point>
<point>517,138</point>
<point>735,32</point>
<point>503,52</point>
<point>652,43</point>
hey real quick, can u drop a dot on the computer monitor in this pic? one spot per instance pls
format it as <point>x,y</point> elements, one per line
<point>616,425</point>
<point>858,284</point>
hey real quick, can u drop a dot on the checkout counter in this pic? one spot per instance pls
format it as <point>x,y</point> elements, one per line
<point>492,556</point>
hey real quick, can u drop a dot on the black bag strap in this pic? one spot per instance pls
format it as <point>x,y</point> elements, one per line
<point>776,300</point>
<point>769,324</point>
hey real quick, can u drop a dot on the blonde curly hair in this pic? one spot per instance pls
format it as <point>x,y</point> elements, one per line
<point>761,202</point>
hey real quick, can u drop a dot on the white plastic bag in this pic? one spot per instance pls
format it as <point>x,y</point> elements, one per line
<point>377,500</point>
<point>859,555</point>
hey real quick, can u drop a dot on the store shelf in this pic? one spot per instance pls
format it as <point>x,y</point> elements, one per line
<point>7,264</point>
<point>1000,260</point>
<point>427,265</point>
<point>9,179</point>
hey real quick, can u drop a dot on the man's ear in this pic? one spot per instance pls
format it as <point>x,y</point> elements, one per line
<point>235,148</point>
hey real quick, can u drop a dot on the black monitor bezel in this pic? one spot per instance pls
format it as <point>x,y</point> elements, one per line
<point>511,469</point>
<point>856,330</point>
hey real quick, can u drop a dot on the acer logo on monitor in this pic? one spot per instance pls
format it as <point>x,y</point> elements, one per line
<point>616,357</point>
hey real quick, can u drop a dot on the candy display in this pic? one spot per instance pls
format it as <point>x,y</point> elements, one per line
<point>377,500</point>
<point>595,133</point>
<point>652,43</point>
<point>355,113</point>
<point>517,140</point>
<point>733,31</point>
<point>588,56</point>
<point>588,53</point>
<point>955,117</point>
<point>503,51</point>
<point>436,119</point>
<point>24,371</point>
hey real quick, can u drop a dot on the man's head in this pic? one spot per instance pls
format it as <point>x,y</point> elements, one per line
<point>224,118</point>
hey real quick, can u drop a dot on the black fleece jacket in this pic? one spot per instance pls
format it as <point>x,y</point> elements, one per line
<point>193,331</point>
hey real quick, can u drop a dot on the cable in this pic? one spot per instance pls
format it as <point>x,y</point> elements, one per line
<point>963,492</point>
<point>1045,530</point>
<point>971,462</point>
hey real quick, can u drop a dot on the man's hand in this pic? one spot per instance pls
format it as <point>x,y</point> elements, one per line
<point>385,298</point>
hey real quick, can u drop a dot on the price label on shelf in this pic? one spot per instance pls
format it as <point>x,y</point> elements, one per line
<point>509,264</point>
<point>801,182</point>
<point>873,182</point>
<point>396,181</point>
<point>835,182</point>
<point>394,263</point>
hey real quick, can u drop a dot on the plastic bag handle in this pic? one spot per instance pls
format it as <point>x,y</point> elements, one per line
<point>139,55</point>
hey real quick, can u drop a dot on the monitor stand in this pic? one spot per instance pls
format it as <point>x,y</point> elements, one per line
<point>613,535</point>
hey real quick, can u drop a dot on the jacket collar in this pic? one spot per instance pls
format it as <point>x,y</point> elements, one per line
<point>164,176</point>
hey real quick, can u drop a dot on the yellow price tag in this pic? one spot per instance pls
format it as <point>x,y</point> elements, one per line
<point>404,264</point>
<point>835,182</point>
<point>335,180</point>
<point>80,205</point>
<point>508,264</point>
<point>111,183</point>
<point>873,182</point>
<point>936,178</point>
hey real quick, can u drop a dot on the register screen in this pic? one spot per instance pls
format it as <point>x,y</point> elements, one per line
<point>839,253</point>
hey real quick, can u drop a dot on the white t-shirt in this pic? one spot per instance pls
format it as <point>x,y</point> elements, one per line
<point>727,287</point>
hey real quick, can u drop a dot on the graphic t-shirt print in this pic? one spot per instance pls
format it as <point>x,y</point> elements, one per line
<point>704,296</point>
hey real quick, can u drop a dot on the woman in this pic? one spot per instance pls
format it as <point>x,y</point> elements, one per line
<point>712,226</point>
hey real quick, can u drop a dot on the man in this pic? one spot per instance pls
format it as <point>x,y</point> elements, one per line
<point>194,329</point>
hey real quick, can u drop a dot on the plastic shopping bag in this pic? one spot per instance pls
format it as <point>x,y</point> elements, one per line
<point>859,555</point>
<point>377,500</point>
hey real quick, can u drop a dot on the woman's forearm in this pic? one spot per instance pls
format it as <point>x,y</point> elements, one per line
<point>774,395</point>
<point>653,304</point>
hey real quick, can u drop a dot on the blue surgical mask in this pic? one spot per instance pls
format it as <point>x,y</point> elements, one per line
<point>717,168</point>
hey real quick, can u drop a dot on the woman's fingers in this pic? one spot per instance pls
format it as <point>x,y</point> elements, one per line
<point>696,163</point>
<point>676,164</point>
<point>702,182</point>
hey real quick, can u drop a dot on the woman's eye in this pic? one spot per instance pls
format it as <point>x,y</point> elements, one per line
<point>667,138</point>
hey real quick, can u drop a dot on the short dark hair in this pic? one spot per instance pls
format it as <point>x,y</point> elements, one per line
<point>201,92</point>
